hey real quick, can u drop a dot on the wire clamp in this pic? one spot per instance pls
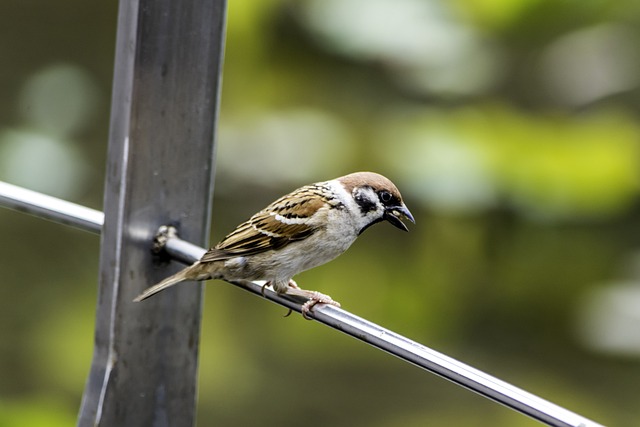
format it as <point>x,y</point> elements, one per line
<point>165,232</point>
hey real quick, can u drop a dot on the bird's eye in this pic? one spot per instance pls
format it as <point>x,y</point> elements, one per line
<point>385,196</point>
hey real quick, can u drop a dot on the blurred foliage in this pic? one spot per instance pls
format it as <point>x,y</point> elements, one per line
<point>510,126</point>
<point>35,413</point>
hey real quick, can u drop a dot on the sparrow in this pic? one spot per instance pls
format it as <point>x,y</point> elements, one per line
<point>301,230</point>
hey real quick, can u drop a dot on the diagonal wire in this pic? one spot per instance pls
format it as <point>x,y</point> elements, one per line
<point>51,208</point>
<point>419,355</point>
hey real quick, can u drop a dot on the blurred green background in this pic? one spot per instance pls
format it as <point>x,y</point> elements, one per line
<point>511,128</point>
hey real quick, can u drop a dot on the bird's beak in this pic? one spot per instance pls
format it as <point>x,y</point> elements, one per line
<point>394,213</point>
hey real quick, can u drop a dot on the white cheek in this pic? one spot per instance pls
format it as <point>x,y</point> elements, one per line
<point>354,219</point>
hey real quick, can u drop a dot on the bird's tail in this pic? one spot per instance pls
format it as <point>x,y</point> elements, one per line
<point>194,272</point>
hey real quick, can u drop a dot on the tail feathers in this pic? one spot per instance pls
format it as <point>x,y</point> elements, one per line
<point>188,273</point>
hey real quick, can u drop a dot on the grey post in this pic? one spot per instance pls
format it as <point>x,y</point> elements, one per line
<point>160,171</point>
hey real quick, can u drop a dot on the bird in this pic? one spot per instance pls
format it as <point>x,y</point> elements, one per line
<point>304,229</point>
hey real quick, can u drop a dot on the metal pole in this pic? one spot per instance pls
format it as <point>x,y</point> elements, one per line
<point>160,170</point>
<point>357,327</point>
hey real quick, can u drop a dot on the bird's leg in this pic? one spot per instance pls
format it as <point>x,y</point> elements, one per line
<point>269,284</point>
<point>293,284</point>
<point>313,298</point>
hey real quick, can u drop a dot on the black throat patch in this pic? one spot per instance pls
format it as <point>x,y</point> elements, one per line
<point>375,221</point>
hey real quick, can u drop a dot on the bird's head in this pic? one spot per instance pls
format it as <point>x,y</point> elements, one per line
<point>375,199</point>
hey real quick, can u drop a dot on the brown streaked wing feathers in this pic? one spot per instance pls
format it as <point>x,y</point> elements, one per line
<point>263,232</point>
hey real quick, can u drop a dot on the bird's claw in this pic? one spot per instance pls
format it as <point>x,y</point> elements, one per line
<point>263,288</point>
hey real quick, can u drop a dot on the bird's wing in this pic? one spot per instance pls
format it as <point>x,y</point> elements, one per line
<point>291,218</point>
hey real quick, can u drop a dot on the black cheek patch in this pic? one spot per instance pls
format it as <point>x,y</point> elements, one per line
<point>364,203</point>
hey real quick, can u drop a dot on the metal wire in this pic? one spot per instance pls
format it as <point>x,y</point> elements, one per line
<point>350,324</point>
<point>408,350</point>
<point>51,208</point>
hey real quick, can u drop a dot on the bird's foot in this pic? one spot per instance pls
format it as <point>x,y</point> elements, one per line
<point>313,298</point>
<point>316,298</point>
